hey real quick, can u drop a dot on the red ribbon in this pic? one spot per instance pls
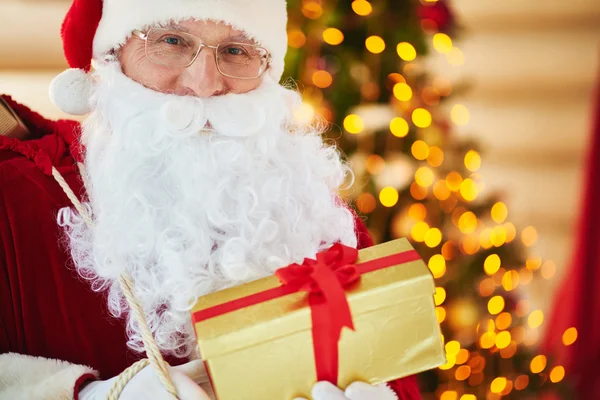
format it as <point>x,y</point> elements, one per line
<point>324,279</point>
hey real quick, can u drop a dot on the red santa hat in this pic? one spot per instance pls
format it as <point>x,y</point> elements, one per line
<point>92,28</point>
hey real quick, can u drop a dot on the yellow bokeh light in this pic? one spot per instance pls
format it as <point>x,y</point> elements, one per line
<point>452,348</point>
<point>424,177</point>
<point>333,36</point>
<point>557,374</point>
<point>388,196</point>
<point>535,319</point>
<point>529,236</point>
<point>521,382</point>
<point>322,79</point>
<point>467,223</point>
<point>492,264</point>
<point>420,150</point>
<point>498,236</point>
<point>538,364</point>
<point>296,38</point>
<point>511,232</point>
<point>433,237</point>
<point>304,113</point>
<point>417,212</point>
<point>366,203</point>
<point>468,397</point>
<point>570,336</point>
<point>418,192</point>
<point>440,313</point>
<point>485,238</point>
<point>510,280</point>
<point>450,362</point>
<point>498,385</point>
<point>468,189</point>
<point>399,127</point>
<point>440,190</point>
<point>460,115</point>
<point>503,339</point>
<point>437,265</point>
<point>312,9</point>
<point>375,44</point>
<point>402,91</point>
<point>503,320</point>
<point>496,305</point>
<point>375,164</point>
<point>435,157</point>
<point>470,244</point>
<point>462,373</point>
<point>509,350</point>
<point>487,340</point>
<point>439,296</point>
<point>499,212</point>
<point>455,56</point>
<point>487,287</point>
<point>472,160</point>
<point>454,180</point>
<point>449,395</point>
<point>548,269</point>
<point>353,124</point>
<point>406,51</point>
<point>421,118</point>
<point>419,230</point>
<point>442,43</point>
<point>534,263</point>
<point>462,356</point>
<point>362,7</point>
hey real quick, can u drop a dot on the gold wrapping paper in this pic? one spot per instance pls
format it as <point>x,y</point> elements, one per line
<point>265,351</point>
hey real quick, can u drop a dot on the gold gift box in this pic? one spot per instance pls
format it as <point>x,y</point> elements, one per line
<point>265,351</point>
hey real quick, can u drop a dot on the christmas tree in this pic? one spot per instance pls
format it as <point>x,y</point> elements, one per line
<point>359,65</point>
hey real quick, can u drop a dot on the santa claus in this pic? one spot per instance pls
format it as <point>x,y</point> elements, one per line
<point>189,175</point>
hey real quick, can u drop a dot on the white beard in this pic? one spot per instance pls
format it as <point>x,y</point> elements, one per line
<point>186,211</point>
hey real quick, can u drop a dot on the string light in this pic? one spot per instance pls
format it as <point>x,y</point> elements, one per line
<point>421,117</point>
<point>468,189</point>
<point>435,157</point>
<point>402,91</point>
<point>472,160</point>
<point>529,236</point>
<point>454,180</point>
<point>467,223</point>
<point>353,124</point>
<point>362,7</point>
<point>420,150</point>
<point>442,43</point>
<point>406,51</point>
<point>460,115</point>
<point>570,336</point>
<point>333,36</point>
<point>557,374</point>
<point>433,237</point>
<point>496,305</point>
<point>440,190</point>
<point>388,196</point>
<point>498,385</point>
<point>322,79</point>
<point>399,127</point>
<point>492,264</point>
<point>538,364</point>
<point>424,177</point>
<point>375,44</point>
<point>439,296</point>
<point>296,38</point>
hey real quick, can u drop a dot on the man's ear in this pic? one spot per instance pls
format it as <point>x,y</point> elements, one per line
<point>10,124</point>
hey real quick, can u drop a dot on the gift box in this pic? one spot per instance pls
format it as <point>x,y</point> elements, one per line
<point>347,316</point>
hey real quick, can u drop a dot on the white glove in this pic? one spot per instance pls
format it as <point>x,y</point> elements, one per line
<point>146,385</point>
<point>356,391</point>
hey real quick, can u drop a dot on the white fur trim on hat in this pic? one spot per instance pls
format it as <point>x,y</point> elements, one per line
<point>70,91</point>
<point>263,20</point>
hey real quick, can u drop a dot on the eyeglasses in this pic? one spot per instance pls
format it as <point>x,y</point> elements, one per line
<point>177,49</point>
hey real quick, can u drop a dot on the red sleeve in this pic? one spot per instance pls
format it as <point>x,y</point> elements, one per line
<point>406,388</point>
<point>362,233</point>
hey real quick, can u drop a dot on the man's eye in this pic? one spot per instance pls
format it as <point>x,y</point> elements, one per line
<point>172,40</point>
<point>235,51</point>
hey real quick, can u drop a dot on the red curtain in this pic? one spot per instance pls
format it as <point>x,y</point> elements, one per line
<point>577,303</point>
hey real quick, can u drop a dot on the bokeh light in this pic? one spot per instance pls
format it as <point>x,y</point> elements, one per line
<point>421,117</point>
<point>388,196</point>
<point>362,7</point>
<point>333,36</point>
<point>402,91</point>
<point>399,127</point>
<point>354,124</point>
<point>375,44</point>
<point>406,51</point>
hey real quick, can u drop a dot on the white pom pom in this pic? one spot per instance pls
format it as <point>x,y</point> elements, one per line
<point>70,91</point>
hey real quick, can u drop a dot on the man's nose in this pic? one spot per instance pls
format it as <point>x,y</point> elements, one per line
<point>202,78</point>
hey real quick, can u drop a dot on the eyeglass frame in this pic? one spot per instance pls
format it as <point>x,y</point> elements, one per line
<point>144,36</point>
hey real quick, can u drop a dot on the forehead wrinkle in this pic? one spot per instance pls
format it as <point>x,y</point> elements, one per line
<point>240,36</point>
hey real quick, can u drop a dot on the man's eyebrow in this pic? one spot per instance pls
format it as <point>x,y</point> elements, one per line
<point>240,38</point>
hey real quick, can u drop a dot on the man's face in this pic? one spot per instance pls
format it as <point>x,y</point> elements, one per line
<point>202,78</point>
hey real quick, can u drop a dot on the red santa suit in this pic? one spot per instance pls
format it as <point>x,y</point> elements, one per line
<point>46,309</point>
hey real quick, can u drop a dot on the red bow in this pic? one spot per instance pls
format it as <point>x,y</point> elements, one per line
<point>325,279</point>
